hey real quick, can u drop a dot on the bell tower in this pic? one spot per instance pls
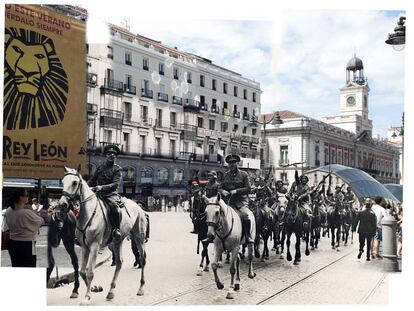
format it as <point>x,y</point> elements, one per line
<point>353,100</point>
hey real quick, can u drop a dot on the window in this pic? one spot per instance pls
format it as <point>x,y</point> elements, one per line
<point>186,146</point>
<point>175,73</point>
<point>163,176</point>
<point>224,126</point>
<point>254,96</point>
<point>125,145</point>
<point>214,84</point>
<point>159,117</point>
<point>317,161</point>
<point>254,132</point>
<point>109,74</point>
<point>284,155</point>
<point>235,128</point>
<point>107,136</point>
<point>144,113</point>
<point>127,110</point>
<point>173,119</point>
<point>110,52</point>
<point>244,94</point>
<point>200,122</point>
<point>145,85</point>
<point>283,177</point>
<point>212,124</point>
<point>146,175</point>
<point>161,69</point>
<point>158,144</point>
<point>244,130</point>
<point>202,80</point>
<point>326,156</point>
<point>235,89</point>
<point>210,149</point>
<point>189,77</point>
<point>145,64</point>
<point>128,81</point>
<point>225,88</point>
<point>143,143</point>
<point>128,58</point>
<point>178,176</point>
<point>172,148</point>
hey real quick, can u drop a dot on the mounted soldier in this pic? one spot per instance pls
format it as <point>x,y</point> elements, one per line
<point>105,182</point>
<point>194,194</point>
<point>349,198</point>
<point>236,187</point>
<point>302,190</point>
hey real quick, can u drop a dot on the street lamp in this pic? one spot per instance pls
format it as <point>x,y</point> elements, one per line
<point>397,39</point>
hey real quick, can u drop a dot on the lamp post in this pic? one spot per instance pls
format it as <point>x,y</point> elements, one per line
<point>397,39</point>
<point>401,134</point>
<point>276,121</point>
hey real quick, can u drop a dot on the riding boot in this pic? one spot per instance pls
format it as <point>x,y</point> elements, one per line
<point>247,226</point>
<point>116,218</point>
<point>147,232</point>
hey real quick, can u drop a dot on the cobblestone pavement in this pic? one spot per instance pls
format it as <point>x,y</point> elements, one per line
<point>326,276</point>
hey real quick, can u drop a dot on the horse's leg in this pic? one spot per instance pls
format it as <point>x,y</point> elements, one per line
<point>51,262</point>
<point>206,267</point>
<point>297,249</point>
<point>289,255</point>
<point>338,237</point>
<point>117,249</point>
<point>214,266</point>
<point>200,266</point>
<point>227,257</point>
<point>237,284</point>
<point>333,236</point>
<point>85,256</point>
<point>143,262</point>
<point>256,245</point>
<point>70,248</point>
<point>234,254</point>
<point>307,236</point>
<point>266,247</point>
<point>250,247</point>
<point>242,255</point>
<point>282,243</point>
<point>90,267</point>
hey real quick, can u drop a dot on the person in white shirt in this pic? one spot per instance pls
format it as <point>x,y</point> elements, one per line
<point>379,213</point>
<point>36,206</point>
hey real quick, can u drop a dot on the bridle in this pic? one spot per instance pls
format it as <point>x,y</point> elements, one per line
<point>78,193</point>
<point>218,226</point>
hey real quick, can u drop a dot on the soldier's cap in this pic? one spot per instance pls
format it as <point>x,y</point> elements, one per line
<point>212,173</point>
<point>111,148</point>
<point>232,158</point>
<point>304,177</point>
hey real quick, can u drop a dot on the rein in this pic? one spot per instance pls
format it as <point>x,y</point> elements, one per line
<point>219,225</point>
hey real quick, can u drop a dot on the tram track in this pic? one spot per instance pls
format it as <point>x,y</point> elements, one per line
<point>259,267</point>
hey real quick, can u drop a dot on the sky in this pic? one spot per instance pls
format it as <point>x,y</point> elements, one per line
<point>299,56</point>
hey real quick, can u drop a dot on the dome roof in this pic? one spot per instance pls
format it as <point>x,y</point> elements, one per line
<point>355,64</point>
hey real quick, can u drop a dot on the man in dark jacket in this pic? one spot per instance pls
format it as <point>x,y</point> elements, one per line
<point>367,227</point>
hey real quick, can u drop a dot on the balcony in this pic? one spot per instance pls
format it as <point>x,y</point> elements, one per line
<point>214,109</point>
<point>91,79</point>
<point>175,77</point>
<point>246,116</point>
<point>162,97</point>
<point>161,72</point>
<point>189,81</point>
<point>203,106</point>
<point>130,89</point>
<point>111,113</point>
<point>245,138</point>
<point>255,139</point>
<point>226,112</point>
<point>188,132</point>
<point>113,85</point>
<point>191,105</point>
<point>147,93</point>
<point>236,114</point>
<point>92,108</point>
<point>317,163</point>
<point>145,67</point>
<point>177,100</point>
<point>128,62</point>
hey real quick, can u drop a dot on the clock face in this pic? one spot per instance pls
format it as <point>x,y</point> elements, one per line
<point>350,100</point>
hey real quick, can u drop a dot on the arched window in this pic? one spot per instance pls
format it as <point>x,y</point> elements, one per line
<point>128,174</point>
<point>146,175</point>
<point>163,176</point>
<point>178,176</point>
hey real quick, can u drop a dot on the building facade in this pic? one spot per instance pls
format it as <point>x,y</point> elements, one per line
<point>345,139</point>
<point>175,115</point>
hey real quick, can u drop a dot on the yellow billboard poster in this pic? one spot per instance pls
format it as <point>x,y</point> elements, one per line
<point>44,114</point>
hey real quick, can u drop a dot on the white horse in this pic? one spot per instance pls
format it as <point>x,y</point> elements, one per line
<point>93,229</point>
<point>225,226</point>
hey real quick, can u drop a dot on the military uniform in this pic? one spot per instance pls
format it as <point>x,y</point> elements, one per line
<point>239,181</point>
<point>212,189</point>
<point>108,177</point>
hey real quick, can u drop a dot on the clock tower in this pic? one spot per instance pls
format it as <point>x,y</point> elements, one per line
<point>353,100</point>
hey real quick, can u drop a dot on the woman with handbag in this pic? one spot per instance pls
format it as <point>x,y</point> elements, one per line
<point>23,224</point>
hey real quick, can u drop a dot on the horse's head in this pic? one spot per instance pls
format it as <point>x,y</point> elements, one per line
<point>214,214</point>
<point>72,188</point>
<point>292,209</point>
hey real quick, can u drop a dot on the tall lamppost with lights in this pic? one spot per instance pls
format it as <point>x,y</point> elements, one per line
<point>276,121</point>
<point>401,134</point>
<point>397,39</point>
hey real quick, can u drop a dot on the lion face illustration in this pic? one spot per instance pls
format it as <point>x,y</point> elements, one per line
<point>35,83</point>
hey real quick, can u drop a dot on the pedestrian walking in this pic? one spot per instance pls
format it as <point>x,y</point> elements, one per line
<point>367,228</point>
<point>23,224</point>
<point>379,213</point>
